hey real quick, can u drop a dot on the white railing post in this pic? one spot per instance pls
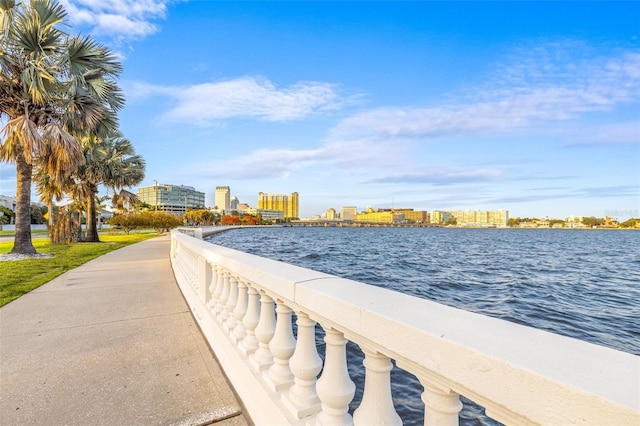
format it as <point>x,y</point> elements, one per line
<point>262,358</point>
<point>250,321</point>
<point>214,288</point>
<point>377,404</point>
<point>230,323</point>
<point>305,364</point>
<point>335,388</point>
<point>441,407</point>
<point>224,296</point>
<point>282,345</point>
<point>240,311</point>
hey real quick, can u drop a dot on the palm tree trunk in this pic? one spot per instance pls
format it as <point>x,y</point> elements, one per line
<point>92,227</point>
<point>22,241</point>
<point>50,224</point>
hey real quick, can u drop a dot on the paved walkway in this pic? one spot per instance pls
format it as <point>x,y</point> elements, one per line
<point>111,342</point>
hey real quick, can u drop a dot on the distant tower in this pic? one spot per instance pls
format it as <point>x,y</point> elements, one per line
<point>289,205</point>
<point>234,203</point>
<point>223,201</point>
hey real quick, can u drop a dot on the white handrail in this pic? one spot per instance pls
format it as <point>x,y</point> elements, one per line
<point>521,375</point>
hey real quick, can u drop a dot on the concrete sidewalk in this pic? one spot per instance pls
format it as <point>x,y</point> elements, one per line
<point>111,342</point>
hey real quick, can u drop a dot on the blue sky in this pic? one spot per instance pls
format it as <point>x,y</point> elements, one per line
<point>533,107</point>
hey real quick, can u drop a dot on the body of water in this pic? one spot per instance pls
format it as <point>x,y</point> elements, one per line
<point>579,283</point>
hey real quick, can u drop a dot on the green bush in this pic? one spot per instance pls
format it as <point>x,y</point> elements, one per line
<point>160,221</point>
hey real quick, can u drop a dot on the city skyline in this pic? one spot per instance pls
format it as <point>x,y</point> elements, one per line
<point>525,106</point>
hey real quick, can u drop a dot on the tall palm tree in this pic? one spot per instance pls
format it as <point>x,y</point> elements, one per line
<point>109,161</point>
<point>51,86</point>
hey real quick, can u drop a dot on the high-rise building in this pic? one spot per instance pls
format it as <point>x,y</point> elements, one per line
<point>234,203</point>
<point>348,213</point>
<point>174,199</point>
<point>331,214</point>
<point>287,204</point>
<point>223,199</point>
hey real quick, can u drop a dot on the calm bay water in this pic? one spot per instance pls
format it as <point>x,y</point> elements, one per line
<point>579,283</point>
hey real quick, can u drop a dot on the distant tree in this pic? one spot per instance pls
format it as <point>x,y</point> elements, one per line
<point>37,214</point>
<point>201,217</point>
<point>230,220</point>
<point>631,223</point>
<point>556,221</point>
<point>513,222</point>
<point>250,220</point>
<point>592,221</point>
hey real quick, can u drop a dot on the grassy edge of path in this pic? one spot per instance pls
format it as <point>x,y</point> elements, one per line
<point>19,277</point>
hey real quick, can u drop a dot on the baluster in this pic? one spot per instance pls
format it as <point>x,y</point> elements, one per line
<point>214,288</point>
<point>239,312</point>
<point>221,307</point>
<point>217,295</point>
<point>305,365</point>
<point>262,358</point>
<point>377,405</point>
<point>230,323</point>
<point>282,345</point>
<point>441,406</point>
<point>335,388</point>
<point>250,321</point>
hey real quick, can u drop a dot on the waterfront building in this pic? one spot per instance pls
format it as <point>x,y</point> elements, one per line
<point>331,214</point>
<point>174,199</point>
<point>223,201</point>
<point>287,204</point>
<point>439,217</point>
<point>479,218</point>
<point>414,216</point>
<point>348,213</point>
<point>265,214</point>
<point>380,216</point>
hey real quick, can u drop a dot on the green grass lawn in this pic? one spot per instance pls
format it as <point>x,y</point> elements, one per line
<point>21,276</point>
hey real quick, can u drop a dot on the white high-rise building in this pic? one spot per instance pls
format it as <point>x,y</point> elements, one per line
<point>223,199</point>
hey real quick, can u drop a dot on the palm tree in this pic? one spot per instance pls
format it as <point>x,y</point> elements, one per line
<point>51,86</point>
<point>48,190</point>
<point>110,161</point>
<point>123,200</point>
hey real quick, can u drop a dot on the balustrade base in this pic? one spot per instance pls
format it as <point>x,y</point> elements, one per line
<point>298,411</point>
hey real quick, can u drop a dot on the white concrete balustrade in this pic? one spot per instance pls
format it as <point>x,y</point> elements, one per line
<point>245,305</point>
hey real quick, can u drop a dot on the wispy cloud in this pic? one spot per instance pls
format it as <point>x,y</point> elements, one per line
<point>207,104</point>
<point>443,176</point>
<point>119,19</point>
<point>525,96</point>
<point>611,134</point>
<point>355,156</point>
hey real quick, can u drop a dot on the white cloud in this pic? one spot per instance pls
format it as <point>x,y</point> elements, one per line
<point>356,156</point>
<point>120,19</point>
<point>612,134</point>
<point>526,96</point>
<point>207,104</point>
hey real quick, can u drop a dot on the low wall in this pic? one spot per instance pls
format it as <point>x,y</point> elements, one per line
<point>244,305</point>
